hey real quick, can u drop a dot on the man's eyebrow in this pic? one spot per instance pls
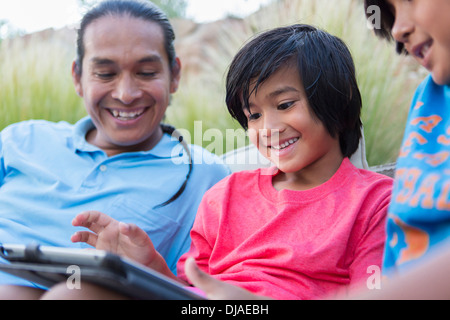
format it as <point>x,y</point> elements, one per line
<point>101,61</point>
<point>105,61</point>
<point>151,58</point>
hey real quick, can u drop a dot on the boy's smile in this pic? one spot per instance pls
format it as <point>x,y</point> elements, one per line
<point>285,144</point>
<point>285,130</point>
<point>427,41</point>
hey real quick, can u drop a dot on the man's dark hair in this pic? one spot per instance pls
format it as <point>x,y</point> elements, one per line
<point>145,10</point>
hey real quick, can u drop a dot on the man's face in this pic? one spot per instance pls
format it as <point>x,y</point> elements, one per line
<point>126,83</point>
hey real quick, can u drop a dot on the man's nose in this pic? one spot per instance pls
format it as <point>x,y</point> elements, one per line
<point>127,90</point>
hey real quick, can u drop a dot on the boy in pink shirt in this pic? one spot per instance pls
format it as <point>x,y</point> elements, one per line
<point>314,224</point>
<point>291,244</point>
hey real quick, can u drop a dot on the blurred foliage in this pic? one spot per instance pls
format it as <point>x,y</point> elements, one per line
<point>35,81</point>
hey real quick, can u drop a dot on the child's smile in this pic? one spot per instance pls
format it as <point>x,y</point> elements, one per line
<point>284,145</point>
<point>428,42</point>
<point>284,128</point>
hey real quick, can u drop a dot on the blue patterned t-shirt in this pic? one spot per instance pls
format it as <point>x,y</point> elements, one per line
<point>419,214</point>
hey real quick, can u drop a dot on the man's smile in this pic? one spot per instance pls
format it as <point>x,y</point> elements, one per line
<point>126,115</point>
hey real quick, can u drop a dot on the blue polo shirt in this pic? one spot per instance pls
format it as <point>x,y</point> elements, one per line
<point>49,173</point>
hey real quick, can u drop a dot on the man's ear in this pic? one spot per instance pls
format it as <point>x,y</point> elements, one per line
<point>176,75</point>
<point>76,77</point>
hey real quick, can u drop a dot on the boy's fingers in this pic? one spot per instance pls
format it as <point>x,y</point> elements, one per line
<point>213,288</point>
<point>201,279</point>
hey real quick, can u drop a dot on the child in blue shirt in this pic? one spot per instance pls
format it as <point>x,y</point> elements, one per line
<point>419,214</point>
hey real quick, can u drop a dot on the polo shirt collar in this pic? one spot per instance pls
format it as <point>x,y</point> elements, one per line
<point>164,148</point>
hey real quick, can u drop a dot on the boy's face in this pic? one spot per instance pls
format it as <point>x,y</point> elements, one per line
<point>282,125</point>
<point>423,26</point>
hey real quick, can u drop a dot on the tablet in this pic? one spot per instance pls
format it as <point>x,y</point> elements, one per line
<point>48,266</point>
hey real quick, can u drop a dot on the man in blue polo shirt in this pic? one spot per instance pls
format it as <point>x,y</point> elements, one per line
<point>49,174</point>
<point>119,160</point>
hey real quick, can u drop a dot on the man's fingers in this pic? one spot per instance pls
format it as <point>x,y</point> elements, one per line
<point>136,235</point>
<point>86,237</point>
<point>93,220</point>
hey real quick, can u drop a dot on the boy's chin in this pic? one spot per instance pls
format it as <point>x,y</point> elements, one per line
<point>442,79</point>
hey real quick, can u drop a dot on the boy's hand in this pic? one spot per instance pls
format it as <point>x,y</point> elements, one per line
<point>216,289</point>
<point>111,235</point>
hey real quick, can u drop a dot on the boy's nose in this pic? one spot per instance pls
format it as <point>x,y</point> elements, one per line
<point>403,26</point>
<point>273,125</point>
<point>273,128</point>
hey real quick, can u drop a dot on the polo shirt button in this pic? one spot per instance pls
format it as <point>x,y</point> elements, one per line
<point>103,168</point>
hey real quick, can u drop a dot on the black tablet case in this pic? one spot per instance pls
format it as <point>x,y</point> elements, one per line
<point>48,266</point>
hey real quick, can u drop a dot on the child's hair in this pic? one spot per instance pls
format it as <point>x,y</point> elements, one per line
<point>387,20</point>
<point>325,67</point>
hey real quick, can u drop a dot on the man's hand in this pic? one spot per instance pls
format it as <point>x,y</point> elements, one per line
<point>111,235</point>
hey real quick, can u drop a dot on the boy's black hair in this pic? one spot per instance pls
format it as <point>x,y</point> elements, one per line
<point>386,23</point>
<point>325,67</point>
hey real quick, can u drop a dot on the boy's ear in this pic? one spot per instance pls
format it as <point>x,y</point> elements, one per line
<point>76,77</point>
<point>176,75</point>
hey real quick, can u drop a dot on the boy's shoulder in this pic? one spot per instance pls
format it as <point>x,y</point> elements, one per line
<point>365,179</point>
<point>373,183</point>
<point>372,176</point>
<point>429,90</point>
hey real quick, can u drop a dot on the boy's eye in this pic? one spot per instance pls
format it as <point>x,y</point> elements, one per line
<point>285,106</point>
<point>253,116</point>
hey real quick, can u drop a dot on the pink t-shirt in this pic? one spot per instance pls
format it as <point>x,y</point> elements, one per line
<point>292,244</point>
